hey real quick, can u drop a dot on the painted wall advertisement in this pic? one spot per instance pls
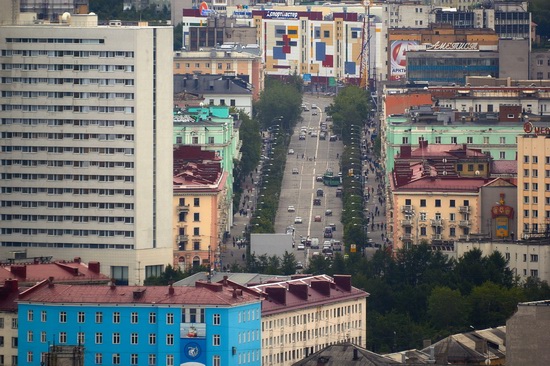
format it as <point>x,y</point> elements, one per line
<point>398,58</point>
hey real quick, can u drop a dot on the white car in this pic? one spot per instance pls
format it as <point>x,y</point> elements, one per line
<point>295,171</point>
<point>314,134</point>
<point>297,220</point>
<point>291,209</point>
<point>299,265</point>
<point>291,151</point>
<point>301,246</point>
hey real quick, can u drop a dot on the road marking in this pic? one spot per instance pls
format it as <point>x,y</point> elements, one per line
<point>310,215</point>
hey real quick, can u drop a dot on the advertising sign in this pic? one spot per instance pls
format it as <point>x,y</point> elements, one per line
<point>276,14</point>
<point>398,58</point>
<point>203,7</point>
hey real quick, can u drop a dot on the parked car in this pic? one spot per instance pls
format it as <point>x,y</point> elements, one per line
<point>333,138</point>
<point>314,112</point>
<point>338,192</point>
<point>291,209</point>
<point>291,151</point>
<point>316,202</point>
<point>333,226</point>
<point>299,265</point>
<point>295,171</point>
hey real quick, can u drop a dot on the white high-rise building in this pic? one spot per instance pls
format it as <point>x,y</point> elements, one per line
<point>86,144</point>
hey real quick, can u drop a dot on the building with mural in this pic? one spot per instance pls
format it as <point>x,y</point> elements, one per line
<point>206,325</point>
<point>202,208</point>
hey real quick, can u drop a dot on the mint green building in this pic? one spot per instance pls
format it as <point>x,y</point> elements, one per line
<point>495,138</point>
<point>214,129</point>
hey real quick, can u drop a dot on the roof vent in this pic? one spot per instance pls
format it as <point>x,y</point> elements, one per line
<point>138,294</point>
<point>171,290</point>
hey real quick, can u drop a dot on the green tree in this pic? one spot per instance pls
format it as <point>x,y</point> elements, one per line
<point>540,10</point>
<point>351,107</point>
<point>288,264</point>
<point>169,275</point>
<point>492,304</point>
<point>178,37</point>
<point>447,309</point>
<point>279,104</point>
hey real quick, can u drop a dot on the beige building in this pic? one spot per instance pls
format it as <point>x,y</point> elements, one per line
<point>8,322</point>
<point>231,60</point>
<point>86,139</point>
<point>201,206</point>
<point>304,315</point>
<point>534,181</point>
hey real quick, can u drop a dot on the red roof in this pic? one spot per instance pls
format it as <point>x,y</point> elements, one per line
<point>452,184</point>
<point>216,294</point>
<point>61,270</point>
<point>445,150</point>
<point>306,292</point>
<point>504,167</point>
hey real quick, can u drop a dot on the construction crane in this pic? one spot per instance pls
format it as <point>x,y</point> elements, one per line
<point>364,64</point>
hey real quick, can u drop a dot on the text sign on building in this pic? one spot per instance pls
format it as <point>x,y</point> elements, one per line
<point>398,56</point>
<point>529,128</point>
<point>452,46</point>
<point>273,14</point>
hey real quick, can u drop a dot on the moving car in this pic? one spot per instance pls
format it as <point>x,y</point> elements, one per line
<point>319,178</point>
<point>291,151</point>
<point>316,202</point>
<point>291,209</point>
<point>327,233</point>
<point>328,212</point>
<point>295,171</point>
<point>314,112</point>
<point>313,134</point>
<point>297,220</point>
<point>317,218</point>
<point>299,265</point>
<point>333,138</point>
<point>320,193</point>
<point>301,246</point>
<point>302,137</point>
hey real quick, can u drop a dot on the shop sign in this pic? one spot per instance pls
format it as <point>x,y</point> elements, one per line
<point>452,46</point>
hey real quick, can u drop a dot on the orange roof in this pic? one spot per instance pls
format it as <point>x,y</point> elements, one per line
<point>398,103</point>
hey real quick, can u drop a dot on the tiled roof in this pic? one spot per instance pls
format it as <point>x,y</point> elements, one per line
<point>8,295</point>
<point>504,167</point>
<point>216,294</point>
<point>62,271</point>
<point>445,150</point>
<point>443,184</point>
<point>306,292</point>
<point>243,279</point>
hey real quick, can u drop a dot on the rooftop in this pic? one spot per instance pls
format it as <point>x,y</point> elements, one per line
<point>345,354</point>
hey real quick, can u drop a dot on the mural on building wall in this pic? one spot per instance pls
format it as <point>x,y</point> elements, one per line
<point>502,214</point>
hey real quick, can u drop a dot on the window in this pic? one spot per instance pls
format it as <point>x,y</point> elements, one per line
<point>30,357</point>
<point>470,167</point>
<point>116,338</point>
<point>502,155</point>
<point>30,335</point>
<point>99,338</point>
<point>196,216</point>
<point>116,317</point>
<point>454,140</point>
<point>535,186</point>
<point>169,339</point>
<point>423,231</point>
<point>196,245</point>
<point>535,159</point>
<point>134,338</point>
<point>152,338</point>
<point>133,359</point>
<point>216,319</point>
<point>152,360</point>
<point>535,213</point>
<point>1,323</point>
<point>486,140</point>
<point>525,158</point>
<point>216,340</point>
<point>452,231</point>
<point>216,360</point>
<point>525,213</point>
<point>30,315</point>
<point>438,139</point>
<point>196,202</point>
<point>469,140</point>
<point>452,203</point>
<point>423,216</point>
<point>152,318</point>
<point>438,203</point>
<point>210,139</point>
<point>422,203</point>
<point>534,258</point>
<point>534,273</point>
<point>535,173</point>
<point>134,318</point>
<point>540,62</point>
<point>98,358</point>
<point>116,359</point>
<point>326,34</point>
<point>525,199</point>
<point>452,217</point>
<point>80,338</point>
<point>62,337</point>
<point>99,317</point>
<point>232,102</point>
<point>81,317</point>
<point>63,317</point>
<point>405,140</point>
<point>525,172</point>
<point>169,360</point>
<point>194,140</point>
<point>196,231</point>
<point>170,318</point>
<point>459,167</point>
<point>42,337</point>
<point>222,101</point>
<point>14,323</point>
<point>502,139</point>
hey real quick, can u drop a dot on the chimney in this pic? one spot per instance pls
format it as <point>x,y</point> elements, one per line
<point>423,143</point>
<point>138,293</point>
<point>77,259</point>
<point>12,285</point>
<point>94,267</point>
<point>299,289</point>
<point>277,294</point>
<point>234,293</point>
<point>19,270</point>
<point>343,282</point>
<point>481,346</point>
<point>405,151</point>
<point>227,83</point>
<point>112,284</point>
<point>225,280</point>
<point>50,282</point>
<point>426,343</point>
<point>321,286</point>
<point>355,354</point>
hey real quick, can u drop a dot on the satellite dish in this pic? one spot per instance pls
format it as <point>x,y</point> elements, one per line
<point>201,104</point>
<point>444,172</point>
<point>477,172</point>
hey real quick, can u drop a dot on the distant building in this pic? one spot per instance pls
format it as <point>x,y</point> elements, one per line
<point>52,10</point>
<point>527,336</point>
<point>210,324</point>
<point>202,208</point>
<point>344,354</point>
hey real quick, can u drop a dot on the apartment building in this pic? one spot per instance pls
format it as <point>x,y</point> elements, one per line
<point>208,324</point>
<point>304,315</point>
<point>86,140</point>
<point>202,208</point>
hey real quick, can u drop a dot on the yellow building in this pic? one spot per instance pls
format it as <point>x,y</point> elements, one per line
<point>200,204</point>
<point>533,181</point>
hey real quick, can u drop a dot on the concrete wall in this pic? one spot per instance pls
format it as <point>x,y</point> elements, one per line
<point>513,58</point>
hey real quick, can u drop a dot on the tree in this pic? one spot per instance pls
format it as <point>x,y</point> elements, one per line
<point>447,309</point>
<point>351,107</point>
<point>169,275</point>
<point>288,265</point>
<point>540,9</point>
<point>492,304</point>
<point>279,103</point>
<point>178,37</point>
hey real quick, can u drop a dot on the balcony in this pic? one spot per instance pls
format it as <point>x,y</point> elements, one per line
<point>464,209</point>
<point>183,208</point>
<point>181,238</point>
<point>407,236</point>
<point>437,237</point>
<point>406,209</point>
<point>436,222</point>
<point>464,237</point>
<point>406,222</point>
<point>464,223</point>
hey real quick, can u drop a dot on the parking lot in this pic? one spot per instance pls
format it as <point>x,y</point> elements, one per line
<point>309,157</point>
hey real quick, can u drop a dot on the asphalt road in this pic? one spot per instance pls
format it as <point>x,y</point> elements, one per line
<point>300,189</point>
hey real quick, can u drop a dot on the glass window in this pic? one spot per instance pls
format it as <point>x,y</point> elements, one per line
<point>216,340</point>
<point>99,317</point>
<point>169,360</point>
<point>63,317</point>
<point>216,319</point>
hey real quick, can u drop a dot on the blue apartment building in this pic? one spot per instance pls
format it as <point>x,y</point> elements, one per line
<point>210,324</point>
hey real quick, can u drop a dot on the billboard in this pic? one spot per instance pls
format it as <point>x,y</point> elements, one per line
<point>398,58</point>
